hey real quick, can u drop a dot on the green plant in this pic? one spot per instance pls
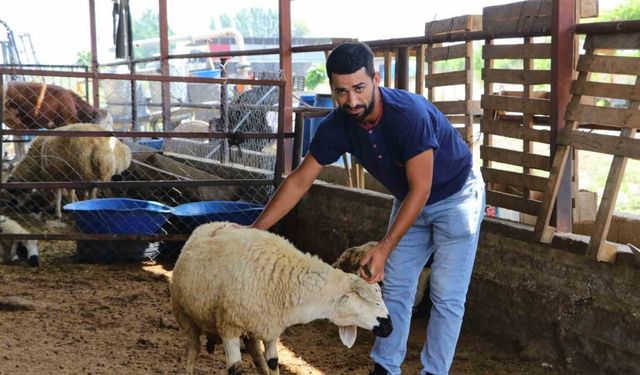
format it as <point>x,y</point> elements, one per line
<point>316,75</point>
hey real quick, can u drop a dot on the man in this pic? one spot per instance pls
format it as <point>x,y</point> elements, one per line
<point>407,144</point>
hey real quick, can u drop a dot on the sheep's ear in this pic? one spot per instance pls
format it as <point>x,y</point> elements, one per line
<point>364,290</point>
<point>348,335</point>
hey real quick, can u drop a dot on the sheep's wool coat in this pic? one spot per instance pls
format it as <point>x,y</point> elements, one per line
<point>242,280</point>
<point>73,158</point>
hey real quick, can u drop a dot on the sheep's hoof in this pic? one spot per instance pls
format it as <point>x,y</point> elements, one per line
<point>34,261</point>
<point>234,369</point>
<point>272,363</point>
<point>210,346</point>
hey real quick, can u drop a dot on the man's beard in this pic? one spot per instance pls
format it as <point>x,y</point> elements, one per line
<point>367,109</point>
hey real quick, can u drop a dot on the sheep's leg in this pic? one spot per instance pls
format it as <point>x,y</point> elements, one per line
<point>192,335</point>
<point>13,252</point>
<point>33,254</point>
<point>193,347</point>
<point>59,203</point>
<point>232,350</point>
<point>271,353</point>
<point>74,196</point>
<point>255,351</point>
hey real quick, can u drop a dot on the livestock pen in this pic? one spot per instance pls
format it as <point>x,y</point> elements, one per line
<point>563,307</point>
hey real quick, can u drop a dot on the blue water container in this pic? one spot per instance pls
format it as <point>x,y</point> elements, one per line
<point>322,100</point>
<point>207,73</point>
<point>306,130</point>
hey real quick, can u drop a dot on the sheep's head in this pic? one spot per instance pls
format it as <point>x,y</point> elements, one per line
<point>362,306</point>
<point>349,260</point>
<point>103,119</point>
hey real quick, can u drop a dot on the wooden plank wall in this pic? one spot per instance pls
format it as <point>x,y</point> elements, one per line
<point>514,120</point>
<point>527,15</point>
<point>615,55</point>
<point>460,112</point>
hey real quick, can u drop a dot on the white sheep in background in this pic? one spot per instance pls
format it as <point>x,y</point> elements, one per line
<point>349,261</point>
<point>233,281</point>
<point>192,126</point>
<point>9,248</point>
<point>60,158</point>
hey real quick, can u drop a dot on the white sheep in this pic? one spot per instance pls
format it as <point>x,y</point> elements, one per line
<point>9,248</point>
<point>192,126</point>
<point>349,261</point>
<point>232,281</point>
<point>60,158</point>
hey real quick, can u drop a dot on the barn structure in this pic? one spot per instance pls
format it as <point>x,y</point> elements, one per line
<point>557,268</point>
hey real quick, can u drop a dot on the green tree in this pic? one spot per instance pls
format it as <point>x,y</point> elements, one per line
<point>316,75</point>
<point>258,22</point>
<point>83,58</point>
<point>147,27</point>
<point>628,10</point>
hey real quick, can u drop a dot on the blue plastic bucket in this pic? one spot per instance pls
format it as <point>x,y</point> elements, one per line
<point>322,100</point>
<point>206,73</point>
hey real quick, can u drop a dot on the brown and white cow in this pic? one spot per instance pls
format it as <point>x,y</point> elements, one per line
<point>34,105</point>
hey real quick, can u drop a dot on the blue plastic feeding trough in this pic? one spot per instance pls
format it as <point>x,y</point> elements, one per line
<point>119,216</point>
<point>198,213</point>
<point>154,143</point>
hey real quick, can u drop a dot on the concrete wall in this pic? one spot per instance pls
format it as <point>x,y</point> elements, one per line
<point>549,301</point>
<point>624,227</point>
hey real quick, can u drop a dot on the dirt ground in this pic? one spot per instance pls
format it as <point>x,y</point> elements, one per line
<point>74,318</point>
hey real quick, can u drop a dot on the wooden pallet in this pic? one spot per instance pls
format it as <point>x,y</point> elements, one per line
<point>621,146</point>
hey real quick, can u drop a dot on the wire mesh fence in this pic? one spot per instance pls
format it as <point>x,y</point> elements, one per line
<point>186,174</point>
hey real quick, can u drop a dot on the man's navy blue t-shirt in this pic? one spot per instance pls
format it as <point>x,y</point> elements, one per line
<point>410,124</point>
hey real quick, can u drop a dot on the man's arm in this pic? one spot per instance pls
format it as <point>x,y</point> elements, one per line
<point>289,193</point>
<point>419,170</point>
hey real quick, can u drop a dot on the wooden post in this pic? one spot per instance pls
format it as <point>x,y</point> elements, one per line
<point>610,194</point>
<point>563,18</point>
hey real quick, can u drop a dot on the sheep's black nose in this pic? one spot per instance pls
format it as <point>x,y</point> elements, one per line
<point>384,328</point>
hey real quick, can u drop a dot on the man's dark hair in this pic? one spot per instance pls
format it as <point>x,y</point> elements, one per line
<point>350,57</point>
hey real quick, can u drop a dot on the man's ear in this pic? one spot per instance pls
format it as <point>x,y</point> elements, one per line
<point>376,78</point>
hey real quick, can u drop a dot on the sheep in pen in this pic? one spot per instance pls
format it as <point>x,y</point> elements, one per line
<point>34,105</point>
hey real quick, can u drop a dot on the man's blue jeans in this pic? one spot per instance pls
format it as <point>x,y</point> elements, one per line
<point>448,229</point>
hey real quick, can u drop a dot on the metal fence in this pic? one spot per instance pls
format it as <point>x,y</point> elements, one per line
<point>114,170</point>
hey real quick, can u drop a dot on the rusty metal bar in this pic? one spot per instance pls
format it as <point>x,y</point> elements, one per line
<point>615,27</point>
<point>285,113</point>
<point>135,61</point>
<point>143,77</point>
<point>2,83</point>
<point>563,17</point>
<point>297,140</point>
<point>94,54</point>
<point>165,89</point>
<point>224,113</point>
<point>249,52</point>
<point>132,184</point>
<point>88,236</point>
<point>106,133</point>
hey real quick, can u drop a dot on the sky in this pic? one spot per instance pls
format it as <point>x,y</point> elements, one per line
<point>59,29</point>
